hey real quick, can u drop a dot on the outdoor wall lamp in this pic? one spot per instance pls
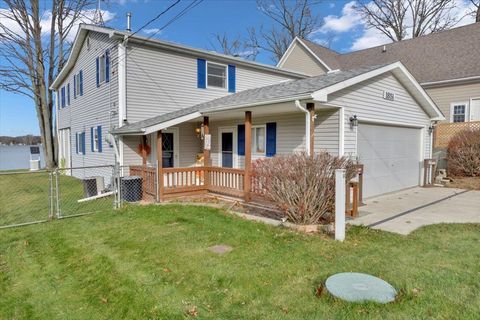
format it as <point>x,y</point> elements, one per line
<point>199,131</point>
<point>354,121</point>
<point>431,128</point>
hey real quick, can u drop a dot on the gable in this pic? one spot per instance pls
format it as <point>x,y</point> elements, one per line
<point>299,59</point>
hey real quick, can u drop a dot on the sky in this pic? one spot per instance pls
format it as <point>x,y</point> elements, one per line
<point>340,28</point>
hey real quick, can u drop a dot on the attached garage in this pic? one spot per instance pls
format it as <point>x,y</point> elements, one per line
<point>391,156</point>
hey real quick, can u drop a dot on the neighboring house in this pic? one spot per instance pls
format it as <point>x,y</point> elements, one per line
<point>159,93</point>
<point>445,63</point>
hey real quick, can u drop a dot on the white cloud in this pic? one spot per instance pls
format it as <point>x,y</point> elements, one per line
<point>85,17</point>
<point>151,31</point>
<point>369,38</point>
<point>347,21</point>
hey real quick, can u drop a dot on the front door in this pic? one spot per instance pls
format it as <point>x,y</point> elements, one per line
<point>227,149</point>
<point>475,109</point>
<point>167,150</point>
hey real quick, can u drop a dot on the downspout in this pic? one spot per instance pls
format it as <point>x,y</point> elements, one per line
<point>307,126</point>
<point>111,139</point>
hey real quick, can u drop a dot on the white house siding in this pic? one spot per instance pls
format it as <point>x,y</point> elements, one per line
<point>327,131</point>
<point>95,107</point>
<point>301,60</point>
<point>163,81</point>
<point>366,101</point>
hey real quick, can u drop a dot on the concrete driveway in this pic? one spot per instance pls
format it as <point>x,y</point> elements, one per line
<point>404,211</point>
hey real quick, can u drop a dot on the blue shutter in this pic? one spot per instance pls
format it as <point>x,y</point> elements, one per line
<point>201,73</point>
<point>62,100</point>
<point>98,73</point>
<point>68,94</point>
<point>80,75</point>
<point>76,143</point>
<point>107,66</point>
<point>271,139</point>
<point>83,142</point>
<point>99,132</point>
<point>231,78</point>
<point>92,140</point>
<point>74,87</point>
<point>241,139</point>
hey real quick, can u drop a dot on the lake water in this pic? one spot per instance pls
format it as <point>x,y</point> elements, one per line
<point>18,157</point>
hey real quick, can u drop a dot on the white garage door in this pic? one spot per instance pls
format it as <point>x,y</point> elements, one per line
<point>391,156</point>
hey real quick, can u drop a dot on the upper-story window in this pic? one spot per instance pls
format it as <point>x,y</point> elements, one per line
<point>78,84</point>
<point>216,75</point>
<point>103,68</point>
<point>458,112</point>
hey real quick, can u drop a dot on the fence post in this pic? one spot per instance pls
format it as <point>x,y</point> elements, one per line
<point>340,204</point>
<point>51,210</point>
<point>57,195</point>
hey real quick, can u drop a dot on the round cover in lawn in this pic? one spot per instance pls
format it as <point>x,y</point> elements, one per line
<point>360,287</point>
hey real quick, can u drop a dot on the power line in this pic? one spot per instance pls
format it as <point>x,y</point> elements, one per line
<point>155,18</point>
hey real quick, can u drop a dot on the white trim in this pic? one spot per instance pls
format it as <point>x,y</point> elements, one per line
<point>433,83</point>
<point>226,76</point>
<point>233,130</point>
<point>467,110</point>
<point>176,146</point>
<point>470,109</point>
<point>253,139</point>
<point>341,132</point>
<point>290,50</point>
<point>389,123</point>
<point>422,156</point>
<point>322,94</point>
<point>169,123</point>
<point>122,83</point>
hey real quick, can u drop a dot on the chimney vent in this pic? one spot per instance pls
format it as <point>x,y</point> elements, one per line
<point>129,21</point>
<point>384,49</point>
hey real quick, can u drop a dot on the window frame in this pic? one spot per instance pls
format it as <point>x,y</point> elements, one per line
<point>465,104</point>
<point>102,59</point>
<point>254,139</point>
<point>77,84</point>
<point>95,139</point>
<point>225,88</point>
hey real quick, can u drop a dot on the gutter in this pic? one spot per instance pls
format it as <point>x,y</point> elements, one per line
<point>307,126</point>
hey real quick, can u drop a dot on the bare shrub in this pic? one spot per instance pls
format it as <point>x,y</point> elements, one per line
<point>463,154</point>
<point>301,186</point>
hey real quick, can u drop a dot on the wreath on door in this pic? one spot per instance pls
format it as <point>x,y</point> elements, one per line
<point>144,147</point>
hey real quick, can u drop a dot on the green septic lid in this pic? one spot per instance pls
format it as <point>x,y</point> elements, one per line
<point>360,287</point>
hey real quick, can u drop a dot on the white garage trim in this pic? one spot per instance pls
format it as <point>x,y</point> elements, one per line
<point>388,123</point>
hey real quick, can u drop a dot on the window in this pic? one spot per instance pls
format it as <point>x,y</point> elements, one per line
<point>77,85</point>
<point>458,112</point>
<point>95,139</point>
<point>101,67</point>
<point>216,75</point>
<point>258,139</point>
<point>62,98</point>
<point>80,143</point>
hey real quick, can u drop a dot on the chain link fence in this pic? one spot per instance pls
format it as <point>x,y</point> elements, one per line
<point>35,197</point>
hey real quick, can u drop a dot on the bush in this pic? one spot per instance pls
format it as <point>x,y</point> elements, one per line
<point>302,187</point>
<point>463,154</point>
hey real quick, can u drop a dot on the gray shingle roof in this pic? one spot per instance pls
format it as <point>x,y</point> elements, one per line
<point>285,90</point>
<point>446,55</point>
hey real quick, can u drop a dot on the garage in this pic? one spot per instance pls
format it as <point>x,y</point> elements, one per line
<point>391,156</point>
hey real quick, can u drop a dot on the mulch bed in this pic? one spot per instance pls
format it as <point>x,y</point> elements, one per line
<point>470,183</point>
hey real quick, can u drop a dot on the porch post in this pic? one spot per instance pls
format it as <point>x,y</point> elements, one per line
<point>311,110</point>
<point>159,166</point>
<point>248,154</point>
<point>206,153</point>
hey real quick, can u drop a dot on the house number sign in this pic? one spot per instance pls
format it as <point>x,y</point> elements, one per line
<point>388,95</point>
<point>207,142</point>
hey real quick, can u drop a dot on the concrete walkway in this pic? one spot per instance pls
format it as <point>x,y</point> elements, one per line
<point>407,210</point>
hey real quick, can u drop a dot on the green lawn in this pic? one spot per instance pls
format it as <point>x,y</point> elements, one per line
<point>152,262</point>
<point>25,197</point>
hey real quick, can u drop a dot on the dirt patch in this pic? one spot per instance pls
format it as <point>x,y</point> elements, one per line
<point>469,183</point>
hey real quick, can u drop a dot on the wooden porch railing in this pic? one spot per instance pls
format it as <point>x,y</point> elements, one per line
<point>149,181</point>
<point>226,181</point>
<point>445,131</point>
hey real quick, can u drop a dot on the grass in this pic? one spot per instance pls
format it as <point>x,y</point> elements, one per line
<point>470,183</point>
<point>25,197</point>
<point>153,262</point>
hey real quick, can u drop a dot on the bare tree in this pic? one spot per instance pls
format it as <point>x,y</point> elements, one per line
<point>232,46</point>
<point>476,10</point>
<point>290,19</point>
<point>30,59</point>
<point>400,19</point>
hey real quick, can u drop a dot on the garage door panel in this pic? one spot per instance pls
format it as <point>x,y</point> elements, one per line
<point>391,156</point>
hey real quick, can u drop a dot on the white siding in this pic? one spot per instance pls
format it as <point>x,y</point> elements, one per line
<point>302,61</point>
<point>161,81</point>
<point>95,107</point>
<point>327,131</point>
<point>366,101</point>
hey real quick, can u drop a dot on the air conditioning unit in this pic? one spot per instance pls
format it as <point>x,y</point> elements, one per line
<point>93,186</point>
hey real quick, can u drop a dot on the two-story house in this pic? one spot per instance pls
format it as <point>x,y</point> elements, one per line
<point>197,112</point>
